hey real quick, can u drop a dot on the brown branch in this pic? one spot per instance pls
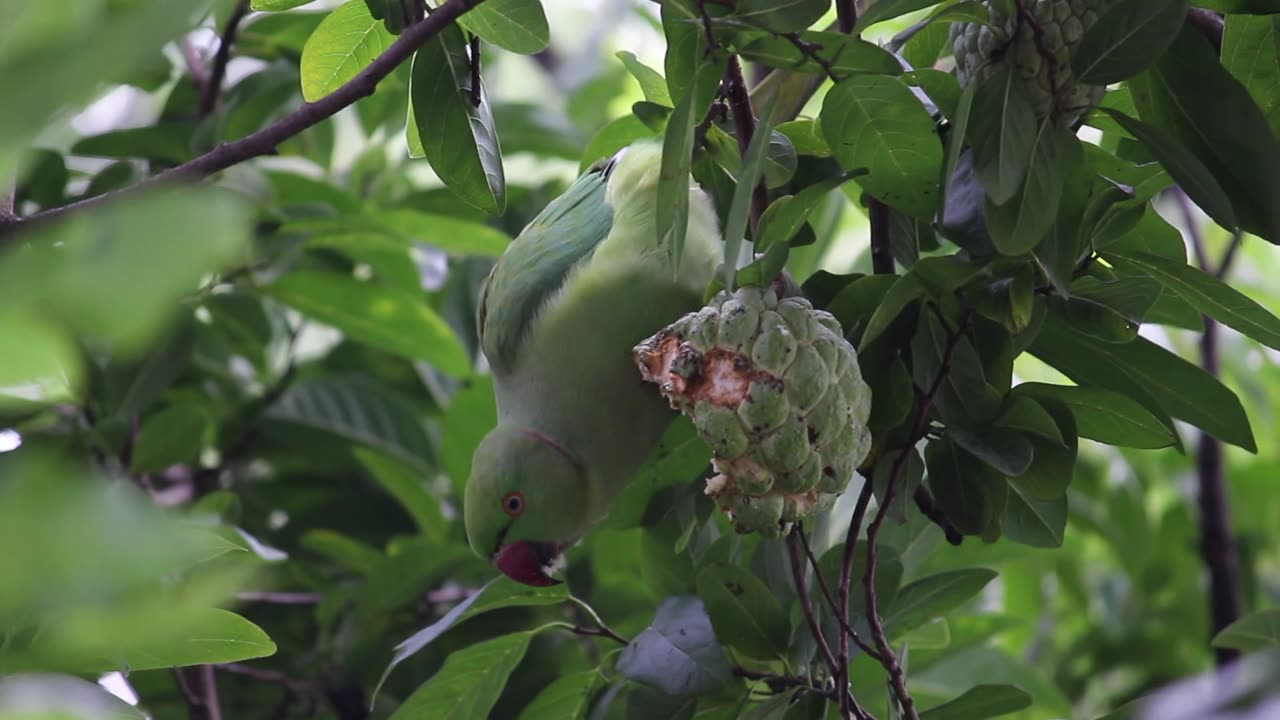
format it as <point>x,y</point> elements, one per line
<point>474,46</point>
<point>744,124</point>
<point>780,683</point>
<point>920,424</point>
<point>200,690</point>
<point>1217,545</point>
<point>1209,23</point>
<point>806,604</point>
<point>846,15</point>
<point>265,141</point>
<point>212,86</point>
<point>929,508</point>
<point>831,601</point>
<point>846,572</point>
<point>881,240</point>
<point>281,598</point>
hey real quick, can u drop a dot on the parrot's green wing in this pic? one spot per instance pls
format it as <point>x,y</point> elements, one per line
<point>538,262</point>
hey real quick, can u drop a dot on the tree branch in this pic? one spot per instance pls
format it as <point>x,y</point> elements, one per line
<point>212,86</point>
<point>929,508</point>
<point>200,690</point>
<point>831,601</point>
<point>806,604</point>
<point>846,15</point>
<point>881,240</point>
<point>744,123</point>
<point>265,141</point>
<point>1209,24</point>
<point>1217,545</point>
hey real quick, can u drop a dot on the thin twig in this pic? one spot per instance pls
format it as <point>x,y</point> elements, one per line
<point>1217,545</point>
<point>881,237</point>
<point>806,604</point>
<point>200,690</point>
<point>744,123</point>
<point>846,572</point>
<point>605,630</point>
<point>846,15</point>
<point>780,683</point>
<point>920,424</point>
<point>212,86</point>
<point>265,141</point>
<point>929,508</point>
<point>281,598</point>
<point>831,601</point>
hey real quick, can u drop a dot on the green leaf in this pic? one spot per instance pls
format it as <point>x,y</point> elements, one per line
<point>456,135</point>
<point>905,290</point>
<point>611,138</point>
<point>677,149</point>
<point>406,486</point>
<point>451,234</point>
<point>786,215</point>
<point>197,636</point>
<point>1128,37</point>
<point>744,612</point>
<point>782,16</point>
<point>678,653</point>
<point>165,142</point>
<point>1148,373</point>
<point>516,25</point>
<point>275,5</point>
<point>980,701</point>
<point>652,84</point>
<point>1207,294</point>
<point>169,360</point>
<point>1002,131</point>
<point>568,698</point>
<point>1106,416</point>
<point>748,178</point>
<point>361,412</point>
<point>874,122</point>
<point>501,592</point>
<point>1131,297</point>
<point>384,317</point>
<point>1249,52</point>
<point>1251,633</point>
<point>46,359</point>
<point>344,43</point>
<point>1018,226</point>
<point>1007,452</point>
<point>935,596</point>
<point>172,436</point>
<point>1190,94</point>
<point>1033,521</point>
<point>844,54</point>
<point>964,395</point>
<point>470,682</point>
<point>887,10</point>
<point>967,490</point>
<point>1184,167</point>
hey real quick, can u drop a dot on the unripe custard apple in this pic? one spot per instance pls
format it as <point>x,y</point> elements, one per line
<point>776,392</point>
<point>1053,31</point>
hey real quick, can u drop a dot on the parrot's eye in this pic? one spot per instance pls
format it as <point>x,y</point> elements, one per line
<point>513,503</point>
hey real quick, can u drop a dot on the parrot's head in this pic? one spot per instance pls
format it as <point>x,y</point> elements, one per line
<point>526,502</point>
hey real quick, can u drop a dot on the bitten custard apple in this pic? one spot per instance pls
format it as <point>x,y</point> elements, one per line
<point>776,392</point>
<point>1058,27</point>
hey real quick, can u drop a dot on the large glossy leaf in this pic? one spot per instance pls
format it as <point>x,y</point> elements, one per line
<point>844,54</point>
<point>456,135</point>
<point>404,484</point>
<point>470,682</point>
<point>934,596</point>
<point>1252,633</point>
<point>678,653</point>
<point>1106,416</point>
<point>677,148</point>
<point>1128,37</point>
<point>1192,175</point>
<point>1033,521</point>
<point>361,412</point>
<point>1250,53</point>
<point>568,698</point>
<point>1209,295</point>
<point>782,16</point>
<point>344,43</point>
<point>1189,94</point>
<point>875,123</point>
<point>981,701</point>
<point>384,317</point>
<point>743,611</point>
<point>1160,380</point>
<point>516,25</point>
<point>968,491</point>
<point>1019,225</point>
<point>1002,132</point>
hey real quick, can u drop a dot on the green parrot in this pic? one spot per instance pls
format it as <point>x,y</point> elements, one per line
<point>580,286</point>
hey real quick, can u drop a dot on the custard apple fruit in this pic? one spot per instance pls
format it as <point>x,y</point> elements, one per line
<point>1058,27</point>
<point>776,392</point>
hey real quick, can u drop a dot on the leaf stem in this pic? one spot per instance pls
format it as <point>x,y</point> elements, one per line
<point>211,87</point>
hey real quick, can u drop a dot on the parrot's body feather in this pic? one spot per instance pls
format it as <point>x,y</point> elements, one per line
<point>575,292</point>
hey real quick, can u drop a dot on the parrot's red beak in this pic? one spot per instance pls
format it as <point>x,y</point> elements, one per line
<point>529,562</point>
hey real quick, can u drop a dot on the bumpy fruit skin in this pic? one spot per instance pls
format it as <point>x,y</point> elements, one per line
<point>1061,23</point>
<point>776,392</point>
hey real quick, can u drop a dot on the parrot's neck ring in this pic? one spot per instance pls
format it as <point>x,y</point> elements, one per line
<point>550,442</point>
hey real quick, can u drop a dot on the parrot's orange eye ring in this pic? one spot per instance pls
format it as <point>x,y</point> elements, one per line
<point>513,503</point>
